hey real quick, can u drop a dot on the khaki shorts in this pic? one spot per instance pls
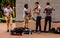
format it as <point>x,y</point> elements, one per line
<point>26,19</point>
<point>10,21</point>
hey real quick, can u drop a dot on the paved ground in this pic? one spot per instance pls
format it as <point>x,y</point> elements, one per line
<point>4,34</point>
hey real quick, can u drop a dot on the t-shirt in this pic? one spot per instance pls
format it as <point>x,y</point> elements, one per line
<point>7,11</point>
<point>39,9</point>
<point>48,10</point>
<point>25,12</point>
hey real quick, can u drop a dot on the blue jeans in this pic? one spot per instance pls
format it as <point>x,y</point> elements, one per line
<point>38,23</point>
<point>47,19</point>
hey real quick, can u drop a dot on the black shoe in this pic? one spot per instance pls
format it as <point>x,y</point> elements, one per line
<point>36,31</point>
<point>7,30</point>
<point>40,31</point>
<point>44,30</point>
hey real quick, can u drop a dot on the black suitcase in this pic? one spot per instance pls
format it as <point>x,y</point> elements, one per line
<point>16,31</point>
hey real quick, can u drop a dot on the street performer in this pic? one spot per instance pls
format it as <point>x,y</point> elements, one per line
<point>8,16</point>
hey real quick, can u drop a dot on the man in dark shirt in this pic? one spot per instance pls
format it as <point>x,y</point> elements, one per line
<point>48,10</point>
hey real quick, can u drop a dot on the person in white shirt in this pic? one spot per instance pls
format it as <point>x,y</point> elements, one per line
<point>26,15</point>
<point>8,16</point>
<point>37,11</point>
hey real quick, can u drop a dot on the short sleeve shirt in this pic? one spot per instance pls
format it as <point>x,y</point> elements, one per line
<point>39,9</point>
<point>48,10</point>
<point>25,12</point>
<point>6,10</point>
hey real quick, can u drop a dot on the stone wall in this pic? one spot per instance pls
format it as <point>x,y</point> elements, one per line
<point>54,3</point>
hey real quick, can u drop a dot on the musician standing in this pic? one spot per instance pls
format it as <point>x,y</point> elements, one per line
<point>37,11</point>
<point>48,10</point>
<point>26,15</point>
<point>8,17</point>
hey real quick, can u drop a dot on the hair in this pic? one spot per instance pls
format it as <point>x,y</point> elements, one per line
<point>36,2</point>
<point>7,4</point>
<point>47,3</point>
<point>26,6</point>
<point>4,5</point>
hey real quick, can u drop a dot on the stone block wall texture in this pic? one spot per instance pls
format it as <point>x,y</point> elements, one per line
<point>54,3</point>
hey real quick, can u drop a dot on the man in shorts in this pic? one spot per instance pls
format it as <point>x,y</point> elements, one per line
<point>26,15</point>
<point>8,16</point>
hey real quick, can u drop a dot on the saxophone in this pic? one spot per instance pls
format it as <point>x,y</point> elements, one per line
<point>9,16</point>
